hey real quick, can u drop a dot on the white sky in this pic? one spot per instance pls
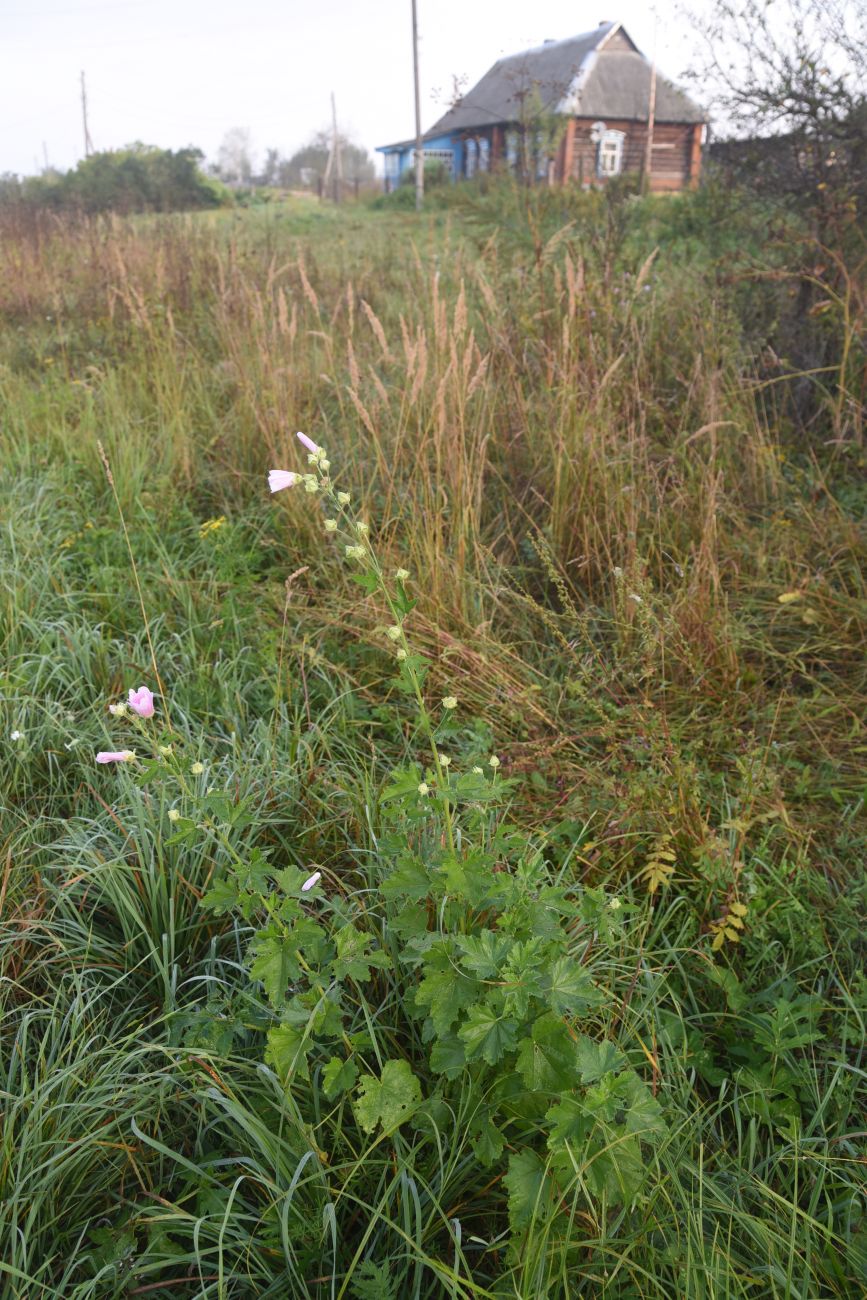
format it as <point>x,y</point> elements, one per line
<point>178,72</point>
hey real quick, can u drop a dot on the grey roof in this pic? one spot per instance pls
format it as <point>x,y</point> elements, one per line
<point>618,85</point>
<point>574,76</point>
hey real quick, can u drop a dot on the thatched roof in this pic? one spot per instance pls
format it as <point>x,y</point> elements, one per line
<point>578,76</point>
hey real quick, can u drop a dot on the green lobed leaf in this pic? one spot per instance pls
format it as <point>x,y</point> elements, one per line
<point>274,963</point>
<point>527,1183</point>
<point>445,993</point>
<point>487,1033</point>
<point>569,988</point>
<point>484,954</point>
<point>388,1101</point>
<point>547,1060</point>
<point>287,1052</point>
<point>338,1076</point>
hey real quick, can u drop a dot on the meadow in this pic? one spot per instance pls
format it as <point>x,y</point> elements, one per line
<point>482,914</point>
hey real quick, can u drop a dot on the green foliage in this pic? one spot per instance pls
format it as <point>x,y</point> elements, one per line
<point>140,178</point>
<point>472,1057</point>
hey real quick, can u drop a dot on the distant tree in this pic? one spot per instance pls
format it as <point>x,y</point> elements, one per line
<point>308,164</point>
<point>270,173</point>
<point>235,157</point>
<point>795,69</point>
<point>139,178</point>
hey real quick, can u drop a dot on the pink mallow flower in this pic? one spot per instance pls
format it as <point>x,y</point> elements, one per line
<point>311,881</point>
<point>115,756</point>
<point>308,443</point>
<point>278,479</point>
<point>142,702</point>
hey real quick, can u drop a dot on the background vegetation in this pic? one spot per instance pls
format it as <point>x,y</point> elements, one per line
<point>140,178</point>
<point>633,522</point>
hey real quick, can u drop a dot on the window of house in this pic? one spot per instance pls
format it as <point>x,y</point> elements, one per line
<point>444,156</point>
<point>484,154</point>
<point>542,155</point>
<point>610,155</point>
<point>512,150</point>
<point>472,158</point>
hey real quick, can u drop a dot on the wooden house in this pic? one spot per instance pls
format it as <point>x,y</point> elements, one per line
<point>583,109</point>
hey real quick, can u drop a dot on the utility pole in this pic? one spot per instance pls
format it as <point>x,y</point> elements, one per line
<point>334,166</point>
<point>651,119</point>
<point>419,151</point>
<point>88,143</point>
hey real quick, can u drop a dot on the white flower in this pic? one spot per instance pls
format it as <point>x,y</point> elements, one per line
<point>393,633</point>
<point>477,771</point>
<point>637,599</point>
<point>310,483</point>
<point>450,702</point>
<point>311,881</point>
<point>312,447</point>
<point>493,762</point>
<point>615,904</point>
<point>331,525</point>
<point>444,760</point>
<point>16,735</point>
<point>278,479</point>
<point>401,654</point>
<point>343,498</point>
<point>424,788</point>
<point>402,575</point>
<point>362,528</point>
<point>197,769</point>
<point>117,710</point>
<point>355,552</point>
<point>324,465</point>
<point>165,750</point>
<point>173,815</point>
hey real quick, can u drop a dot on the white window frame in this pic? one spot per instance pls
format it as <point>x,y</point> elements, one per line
<point>609,157</point>
<point>444,156</point>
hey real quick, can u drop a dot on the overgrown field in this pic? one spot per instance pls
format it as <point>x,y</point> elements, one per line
<point>584,1020</point>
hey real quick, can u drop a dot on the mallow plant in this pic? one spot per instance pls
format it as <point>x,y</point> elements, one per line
<point>493,964</point>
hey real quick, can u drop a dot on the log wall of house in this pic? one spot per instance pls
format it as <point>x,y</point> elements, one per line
<point>674,163</point>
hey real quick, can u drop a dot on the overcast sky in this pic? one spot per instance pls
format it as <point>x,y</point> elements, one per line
<point>178,72</point>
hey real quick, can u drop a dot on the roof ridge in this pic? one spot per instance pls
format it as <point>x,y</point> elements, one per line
<point>602,29</point>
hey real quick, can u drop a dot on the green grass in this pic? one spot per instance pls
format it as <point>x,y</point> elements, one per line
<point>601,494</point>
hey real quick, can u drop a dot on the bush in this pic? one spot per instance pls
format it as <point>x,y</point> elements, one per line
<point>140,178</point>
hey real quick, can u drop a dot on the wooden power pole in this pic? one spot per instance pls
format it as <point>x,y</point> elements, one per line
<point>88,143</point>
<point>334,166</point>
<point>419,150</point>
<point>651,119</point>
